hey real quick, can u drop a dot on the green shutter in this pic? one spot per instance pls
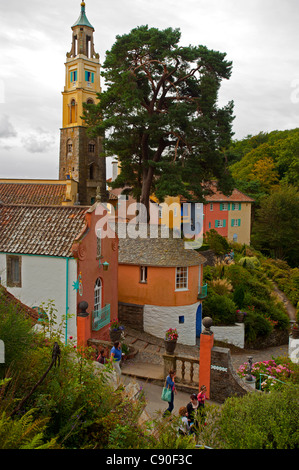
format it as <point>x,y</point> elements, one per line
<point>239,222</point>
<point>92,77</point>
<point>224,223</point>
<point>239,206</point>
<point>216,223</point>
<point>232,222</point>
<point>72,77</point>
<point>221,206</point>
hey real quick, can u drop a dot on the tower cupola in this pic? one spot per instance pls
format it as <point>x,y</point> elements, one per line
<point>82,42</point>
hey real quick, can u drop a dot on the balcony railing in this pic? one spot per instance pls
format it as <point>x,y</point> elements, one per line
<point>202,291</point>
<point>100,318</point>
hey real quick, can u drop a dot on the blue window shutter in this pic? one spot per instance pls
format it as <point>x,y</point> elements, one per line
<point>86,76</point>
<point>92,77</point>
<point>224,223</point>
<point>239,222</point>
<point>71,76</point>
<point>239,206</point>
<point>75,76</point>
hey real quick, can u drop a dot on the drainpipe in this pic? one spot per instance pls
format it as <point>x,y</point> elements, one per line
<point>66,297</point>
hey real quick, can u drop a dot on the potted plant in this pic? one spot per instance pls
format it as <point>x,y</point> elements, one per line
<point>295,331</point>
<point>116,330</point>
<point>170,340</point>
<point>240,316</point>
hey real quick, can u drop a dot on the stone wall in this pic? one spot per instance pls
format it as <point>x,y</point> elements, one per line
<point>131,315</point>
<point>225,382</point>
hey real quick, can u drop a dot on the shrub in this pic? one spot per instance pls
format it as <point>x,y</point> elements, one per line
<point>251,262</point>
<point>221,286</point>
<point>255,421</point>
<point>221,309</point>
<point>256,326</point>
<point>216,242</point>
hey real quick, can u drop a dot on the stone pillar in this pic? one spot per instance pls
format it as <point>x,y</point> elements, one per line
<point>205,352</point>
<point>83,325</point>
<point>169,363</point>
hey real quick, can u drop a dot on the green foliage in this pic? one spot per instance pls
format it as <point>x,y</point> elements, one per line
<point>220,308</point>
<point>18,345</point>
<point>216,242</point>
<point>26,432</point>
<point>161,115</point>
<point>256,421</point>
<point>281,146</point>
<point>277,224</point>
<point>251,261</point>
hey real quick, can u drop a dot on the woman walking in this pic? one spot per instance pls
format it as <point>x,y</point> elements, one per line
<point>115,357</point>
<point>170,384</point>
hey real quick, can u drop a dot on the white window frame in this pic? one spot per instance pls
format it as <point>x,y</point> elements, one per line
<point>143,274</point>
<point>181,276</point>
<point>235,206</point>
<point>220,223</point>
<point>225,206</point>
<point>98,294</point>
<point>235,222</point>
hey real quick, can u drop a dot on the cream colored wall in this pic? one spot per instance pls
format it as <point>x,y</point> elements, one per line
<point>243,232</point>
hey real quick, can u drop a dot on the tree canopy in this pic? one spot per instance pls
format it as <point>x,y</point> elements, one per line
<point>159,114</point>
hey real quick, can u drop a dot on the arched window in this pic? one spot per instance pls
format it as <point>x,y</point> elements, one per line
<point>98,295</point>
<point>73,111</point>
<point>90,101</point>
<point>69,146</point>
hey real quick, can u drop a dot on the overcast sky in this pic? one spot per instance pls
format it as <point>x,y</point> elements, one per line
<point>260,37</point>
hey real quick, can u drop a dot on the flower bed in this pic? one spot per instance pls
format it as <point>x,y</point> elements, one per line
<point>271,374</point>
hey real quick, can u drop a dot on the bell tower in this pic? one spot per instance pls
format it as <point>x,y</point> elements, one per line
<point>80,154</point>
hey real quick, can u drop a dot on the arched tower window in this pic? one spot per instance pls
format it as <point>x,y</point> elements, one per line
<point>73,111</point>
<point>69,146</point>
<point>98,295</point>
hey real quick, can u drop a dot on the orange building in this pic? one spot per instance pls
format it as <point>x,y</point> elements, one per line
<point>160,286</point>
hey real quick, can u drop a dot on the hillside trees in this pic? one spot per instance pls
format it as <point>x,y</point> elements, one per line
<point>159,114</point>
<point>277,224</point>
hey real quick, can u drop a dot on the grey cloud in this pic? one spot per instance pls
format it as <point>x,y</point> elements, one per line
<point>39,141</point>
<point>6,128</point>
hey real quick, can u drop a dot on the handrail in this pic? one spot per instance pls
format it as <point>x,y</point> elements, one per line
<point>271,377</point>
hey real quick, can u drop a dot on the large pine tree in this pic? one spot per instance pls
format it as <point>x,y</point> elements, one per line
<point>159,114</point>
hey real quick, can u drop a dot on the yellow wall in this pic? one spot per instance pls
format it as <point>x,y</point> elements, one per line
<point>243,231</point>
<point>80,90</point>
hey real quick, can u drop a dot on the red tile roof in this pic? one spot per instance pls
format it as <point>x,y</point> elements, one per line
<point>8,298</point>
<point>218,196</point>
<point>40,230</point>
<point>32,193</point>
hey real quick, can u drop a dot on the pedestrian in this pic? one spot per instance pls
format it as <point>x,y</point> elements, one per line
<point>184,427</point>
<point>170,384</point>
<point>101,357</point>
<point>115,357</point>
<point>192,409</point>
<point>202,397</point>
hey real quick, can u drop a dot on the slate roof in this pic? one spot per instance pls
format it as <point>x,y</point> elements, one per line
<point>32,193</point>
<point>166,252</point>
<point>40,230</point>
<point>8,298</point>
